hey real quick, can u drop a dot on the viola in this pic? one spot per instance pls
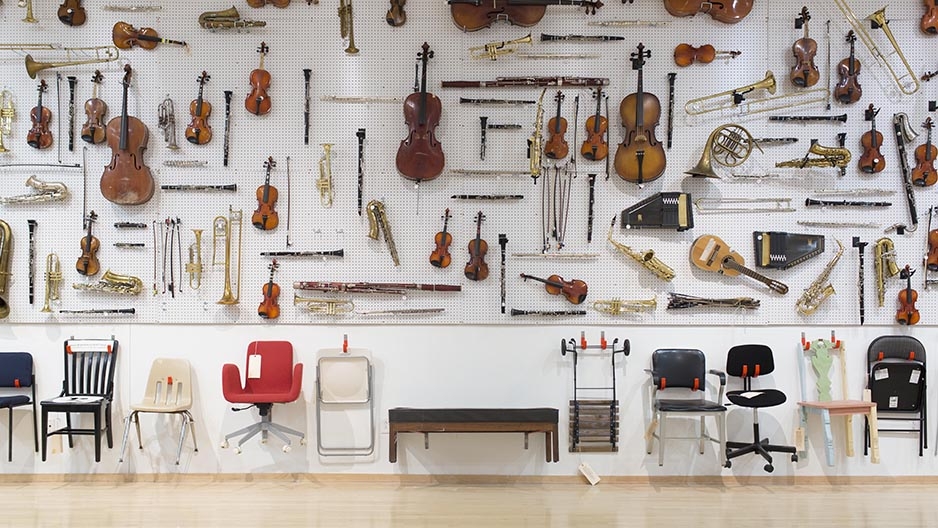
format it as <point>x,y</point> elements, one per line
<point>685,54</point>
<point>258,101</point>
<point>477,269</point>
<point>872,159</point>
<point>907,314</point>
<point>199,132</point>
<point>269,309</point>
<point>574,290</point>
<point>924,172</point>
<point>472,15</point>
<point>848,89</point>
<point>556,146</point>
<point>71,13</point>
<point>39,136</point>
<point>728,11</point>
<point>440,256</point>
<point>640,157</point>
<point>396,15</point>
<point>264,217</point>
<point>127,179</point>
<point>420,156</point>
<point>929,23</point>
<point>931,260</point>
<point>804,73</point>
<point>595,147</point>
<point>88,264</point>
<point>94,131</point>
<point>126,36</point>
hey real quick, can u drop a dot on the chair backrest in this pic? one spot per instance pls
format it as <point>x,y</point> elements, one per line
<point>819,357</point>
<point>679,367</point>
<point>89,370</point>
<point>16,369</point>
<point>895,347</point>
<point>276,367</point>
<point>169,384</point>
<point>344,379</point>
<point>749,361</point>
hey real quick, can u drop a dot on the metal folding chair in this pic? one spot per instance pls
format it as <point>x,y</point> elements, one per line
<point>344,382</point>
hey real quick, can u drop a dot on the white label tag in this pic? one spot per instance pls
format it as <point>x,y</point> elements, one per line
<point>881,374</point>
<point>893,402</point>
<point>916,374</point>
<point>254,366</point>
<point>588,472</point>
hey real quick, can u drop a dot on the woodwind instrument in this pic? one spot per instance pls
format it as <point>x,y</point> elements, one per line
<point>167,122</point>
<point>373,287</point>
<point>580,38</point>
<point>307,74</point>
<point>829,157</point>
<point>7,113</point>
<point>113,283</point>
<point>464,100</point>
<point>901,128</point>
<point>289,201</point>
<point>347,25</point>
<point>671,78</point>
<point>403,311</point>
<point>185,164</point>
<point>821,288</point>
<point>227,19</point>
<point>48,192</point>
<point>228,187</point>
<point>861,249</point>
<point>338,253</point>
<point>806,118</point>
<point>378,219</point>
<point>72,84</point>
<point>324,183</point>
<point>53,281</point>
<point>361,167</point>
<point>534,142</point>
<point>549,313</point>
<point>503,242</point>
<point>645,258</point>
<point>503,82</point>
<point>677,301</point>
<point>884,265</point>
<point>102,311</point>
<point>32,257</point>
<point>228,95</point>
<point>809,202</point>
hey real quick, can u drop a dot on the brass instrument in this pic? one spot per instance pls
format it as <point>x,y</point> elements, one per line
<point>347,25</point>
<point>884,263</point>
<point>48,192</point>
<point>378,218</point>
<point>729,145</point>
<point>194,266</point>
<point>829,157</point>
<point>7,113</point>
<point>821,288</point>
<point>907,82</point>
<point>493,50</point>
<point>6,247</point>
<point>167,122</point>
<point>227,19</point>
<point>619,307</point>
<point>324,183</point>
<point>534,142</point>
<point>735,100</point>
<point>646,258</point>
<point>28,4</point>
<point>73,56</point>
<point>113,283</point>
<point>53,281</point>
<point>221,228</point>
<point>324,306</point>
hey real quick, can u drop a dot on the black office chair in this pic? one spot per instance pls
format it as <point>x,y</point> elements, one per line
<point>896,380</point>
<point>16,374</point>
<point>747,362</point>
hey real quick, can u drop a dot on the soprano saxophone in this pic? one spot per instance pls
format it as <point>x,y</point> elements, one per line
<point>821,288</point>
<point>534,142</point>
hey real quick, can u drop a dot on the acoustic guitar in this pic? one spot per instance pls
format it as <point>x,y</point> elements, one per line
<point>712,254</point>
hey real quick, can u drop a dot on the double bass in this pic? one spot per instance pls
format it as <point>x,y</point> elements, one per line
<point>258,101</point>
<point>269,309</point>
<point>94,131</point>
<point>804,73</point>
<point>556,146</point>
<point>420,156</point>
<point>473,15</point>
<point>71,13</point>
<point>127,179</point>
<point>907,314</point>
<point>595,147</point>
<point>39,136</point>
<point>199,132</point>
<point>264,217</point>
<point>872,159</point>
<point>727,11</point>
<point>848,89</point>
<point>924,172</point>
<point>640,157</point>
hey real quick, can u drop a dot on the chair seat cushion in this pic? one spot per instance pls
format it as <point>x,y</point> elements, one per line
<point>76,400</point>
<point>260,397</point>
<point>756,398</point>
<point>13,401</point>
<point>541,414</point>
<point>688,406</point>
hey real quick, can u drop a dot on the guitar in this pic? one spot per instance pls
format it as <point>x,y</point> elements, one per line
<point>712,254</point>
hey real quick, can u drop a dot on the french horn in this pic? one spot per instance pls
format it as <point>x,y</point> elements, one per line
<point>729,145</point>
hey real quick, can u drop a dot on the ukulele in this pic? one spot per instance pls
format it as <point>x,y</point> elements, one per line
<point>595,147</point>
<point>258,101</point>
<point>94,131</point>
<point>126,36</point>
<point>556,146</point>
<point>872,159</point>
<point>127,179</point>
<point>804,73</point>
<point>269,309</point>
<point>907,314</point>
<point>88,264</point>
<point>199,132</point>
<point>71,13</point>
<point>848,90</point>
<point>440,256</point>
<point>477,269</point>
<point>712,254</point>
<point>420,156</point>
<point>574,290</point>
<point>924,173</point>
<point>39,136</point>
<point>264,217</point>
<point>640,157</point>
<point>396,15</point>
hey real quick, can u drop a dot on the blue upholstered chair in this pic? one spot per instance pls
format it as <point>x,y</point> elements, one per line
<point>16,374</point>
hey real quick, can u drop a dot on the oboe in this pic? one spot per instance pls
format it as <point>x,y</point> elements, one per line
<point>483,120</point>
<point>844,203</point>
<point>306,73</point>
<point>72,84</point>
<point>904,165</point>
<point>503,242</point>
<point>361,166</point>
<point>32,257</point>
<point>228,187</point>
<point>671,77</point>
<point>860,248</point>
<point>228,94</point>
<point>335,253</point>
<point>550,313</point>
<point>502,82</point>
<point>589,217</point>
<point>487,197</point>
<point>842,118</point>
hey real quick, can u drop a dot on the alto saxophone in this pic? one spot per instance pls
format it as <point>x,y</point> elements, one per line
<point>534,142</point>
<point>377,218</point>
<point>646,258</point>
<point>821,288</point>
<point>884,262</point>
<point>113,283</point>
<point>829,157</point>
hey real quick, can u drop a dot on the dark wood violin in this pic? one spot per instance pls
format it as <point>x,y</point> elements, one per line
<point>804,73</point>
<point>88,264</point>
<point>595,147</point>
<point>477,269</point>
<point>39,136</point>
<point>848,89</point>
<point>264,217</point>
<point>199,132</point>
<point>94,131</point>
<point>71,13</point>
<point>907,314</point>
<point>440,256</point>
<point>574,290</point>
<point>872,160</point>
<point>472,15</point>
<point>556,146</point>
<point>420,156</point>
<point>640,157</point>
<point>929,23</point>
<point>127,179</point>
<point>258,101</point>
<point>396,15</point>
<point>931,259</point>
<point>126,36</point>
<point>728,11</point>
<point>269,309</point>
<point>924,173</point>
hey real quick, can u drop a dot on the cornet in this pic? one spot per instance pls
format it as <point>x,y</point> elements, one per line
<point>53,281</point>
<point>7,113</point>
<point>347,26</point>
<point>324,183</point>
<point>221,228</point>
<point>492,50</point>
<point>194,266</point>
<point>324,306</point>
<point>167,123</point>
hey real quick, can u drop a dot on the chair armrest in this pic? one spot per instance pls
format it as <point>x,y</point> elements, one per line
<point>655,379</point>
<point>720,374</point>
<point>231,379</point>
<point>297,381</point>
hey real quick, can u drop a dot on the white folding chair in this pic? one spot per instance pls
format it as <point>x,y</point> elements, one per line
<point>345,383</point>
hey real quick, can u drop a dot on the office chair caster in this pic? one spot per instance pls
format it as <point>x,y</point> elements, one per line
<point>794,458</point>
<point>237,450</point>
<point>287,448</point>
<point>727,464</point>
<point>768,468</point>
<point>224,444</point>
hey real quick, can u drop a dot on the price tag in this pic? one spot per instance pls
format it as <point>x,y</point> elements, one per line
<point>881,374</point>
<point>893,402</point>
<point>254,366</point>
<point>916,374</point>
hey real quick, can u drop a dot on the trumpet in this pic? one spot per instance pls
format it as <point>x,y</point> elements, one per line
<point>167,122</point>
<point>194,266</point>
<point>221,228</point>
<point>347,25</point>
<point>493,50</point>
<point>829,157</point>
<point>729,145</point>
<point>53,281</point>
<point>324,183</point>
<point>907,82</point>
<point>28,4</point>
<point>73,56</point>
<point>113,283</point>
<point>48,192</point>
<point>646,258</point>
<point>324,306</point>
<point>7,113</point>
<point>884,263</point>
<point>378,218</point>
<point>227,19</point>
<point>619,307</point>
<point>736,102</point>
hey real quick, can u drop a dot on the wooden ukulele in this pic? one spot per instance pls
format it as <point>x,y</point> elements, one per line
<point>712,254</point>
<point>94,131</point>
<point>199,132</point>
<point>477,269</point>
<point>88,264</point>
<point>440,256</point>
<point>573,290</point>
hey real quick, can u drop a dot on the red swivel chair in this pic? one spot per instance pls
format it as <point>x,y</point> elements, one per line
<point>271,378</point>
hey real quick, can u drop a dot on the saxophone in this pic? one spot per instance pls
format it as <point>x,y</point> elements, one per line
<point>377,218</point>
<point>829,157</point>
<point>114,283</point>
<point>821,288</point>
<point>48,192</point>
<point>646,258</point>
<point>884,262</point>
<point>534,142</point>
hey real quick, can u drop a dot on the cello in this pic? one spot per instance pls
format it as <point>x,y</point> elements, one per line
<point>127,180</point>
<point>258,101</point>
<point>872,159</point>
<point>924,172</point>
<point>440,256</point>
<point>640,157</point>
<point>595,147</point>
<point>88,264</point>
<point>420,156</point>
<point>804,73</point>
<point>573,290</point>
<point>39,136</point>
<point>728,11</point>
<point>473,15</point>
<point>929,23</point>
<point>907,314</point>
<point>199,132</point>
<point>264,217</point>
<point>71,13</point>
<point>269,309</point>
<point>477,269</point>
<point>556,146</point>
<point>94,131</point>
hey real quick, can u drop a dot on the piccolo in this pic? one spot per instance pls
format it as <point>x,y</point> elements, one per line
<point>403,311</point>
<point>336,253</point>
<point>842,118</point>
<point>551,313</point>
<point>487,197</point>
<point>463,100</point>
<point>501,82</point>
<point>373,287</point>
<point>229,187</point>
<point>844,203</point>
<point>580,38</point>
<point>130,225</point>
<point>778,140</point>
<point>129,311</point>
<point>628,23</point>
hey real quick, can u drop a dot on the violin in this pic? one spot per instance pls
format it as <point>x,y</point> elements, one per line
<point>595,147</point>
<point>848,90</point>
<point>929,23</point>
<point>685,54</point>
<point>556,146</point>
<point>71,13</point>
<point>261,3</point>
<point>126,36</point>
<point>574,290</point>
<point>804,73</point>
<point>420,156</point>
<point>907,314</point>
<point>924,173</point>
<point>94,131</point>
<point>269,309</point>
<point>477,269</point>
<point>640,157</point>
<point>198,132</point>
<point>728,11</point>
<point>258,102</point>
<point>931,260</point>
<point>472,15</point>
<point>396,15</point>
<point>440,256</point>
<point>88,264</point>
<point>872,159</point>
<point>39,136</point>
<point>264,217</point>
<point>127,179</point>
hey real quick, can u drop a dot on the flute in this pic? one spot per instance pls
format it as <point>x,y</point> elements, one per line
<point>306,73</point>
<point>580,38</point>
<point>130,311</point>
<point>373,287</point>
<point>335,253</point>
<point>844,203</point>
<point>551,313</point>
<point>501,82</point>
<point>228,187</point>
<point>403,311</point>
<point>464,100</point>
<point>842,118</point>
<point>361,166</point>
<point>228,94</point>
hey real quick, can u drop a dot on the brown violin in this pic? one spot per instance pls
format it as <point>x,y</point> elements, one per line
<point>848,89</point>
<point>269,309</point>
<point>685,54</point>
<point>907,314</point>
<point>804,73</point>
<point>440,256</point>
<point>126,36</point>
<point>929,23</point>
<point>39,136</point>
<point>396,15</point>
<point>258,101</point>
<point>94,131</point>
<point>924,173</point>
<point>931,260</point>
<point>640,157</point>
<point>574,290</point>
<point>473,15</point>
<point>261,3</point>
<point>71,13</point>
<point>127,179</point>
<point>728,11</point>
<point>420,156</point>
<point>556,146</point>
<point>199,132</point>
<point>595,147</point>
<point>872,160</point>
<point>264,217</point>
<point>88,264</point>
<point>477,269</point>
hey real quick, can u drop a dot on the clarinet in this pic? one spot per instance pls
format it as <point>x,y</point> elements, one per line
<point>361,164</point>
<point>844,203</point>
<point>72,83</point>
<point>552,313</point>
<point>842,141</point>
<point>503,242</point>
<point>671,77</point>
<point>501,82</point>
<point>306,73</point>
<point>228,94</point>
<point>589,217</point>
<point>336,253</point>
<point>860,247</point>
<point>129,311</point>
<point>32,258</point>
<point>904,165</point>
<point>580,38</point>
<point>842,118</point>
<point>464,100</point>
<point>483,120</point>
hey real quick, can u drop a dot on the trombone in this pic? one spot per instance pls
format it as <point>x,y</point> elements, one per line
<point>736,100</point>
<point>493,50</point>
<point>73,56</point>
<point>907,82</point>
<point>221,228</point>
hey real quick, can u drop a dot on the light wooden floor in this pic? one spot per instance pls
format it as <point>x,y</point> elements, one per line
<point>309,503</point>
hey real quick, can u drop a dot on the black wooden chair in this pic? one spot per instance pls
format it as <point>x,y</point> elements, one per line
<point>896,380</point>
<point>16,374</point>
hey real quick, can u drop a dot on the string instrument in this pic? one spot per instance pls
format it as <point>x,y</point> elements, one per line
<point>264,217</point>
<point>848,90</point>
<point>258,101</point>
<point>396,15</point>
<point>94,131</point>
<point>556,146</point>
<point>39,136</point>
<point>872,159</point>
<point>929,23</point>
<point>127,179</point>
<point>199,132</point>
<point>931,259</point>
<point>685,54</point>
<point>924,172</point>
<point>126,36</point>
<point>477,269</point>
<point>727,11</point>
<point>440,256</point>
<point>640,157</point>
<point>88,264</point>
<point>269,309</point>
<point>907,314</point>
<point>595,147</point>
<point>71,13</point>
<point>420,156</point>
<point>574,290</point>
<point>472,15</point>
<point>804,73</point>
<point>712,254</point>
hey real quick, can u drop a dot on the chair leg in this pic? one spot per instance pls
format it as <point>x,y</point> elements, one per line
<point>35,425</point>
<point>721,424</point>
<point>663,420</point>
<point>828,436</point>
<point>97,435</point>
<point>848,437</point>
<point>703,435</point>
<point>182,437</point>
<point>45,434</point>
<point>107,424</point>
<point>68,425</point>
<point>191,420</point>
<point>136,416</point>
<point>10,442</point>
<point>126,433</point>
<point>874,436</point>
